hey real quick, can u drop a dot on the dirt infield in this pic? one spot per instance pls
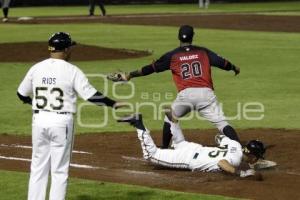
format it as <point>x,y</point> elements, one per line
<point>252,22</point>
<point>37,51</point>
<point>122,162</point>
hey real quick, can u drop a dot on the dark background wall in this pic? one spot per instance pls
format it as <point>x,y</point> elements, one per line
<point>85,2</point>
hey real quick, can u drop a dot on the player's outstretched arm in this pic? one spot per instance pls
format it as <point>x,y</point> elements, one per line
<point>218,61</point>
<point>227,167</point>
<point>99,99</point>
<point>125,76</point>
<point>160,65</point>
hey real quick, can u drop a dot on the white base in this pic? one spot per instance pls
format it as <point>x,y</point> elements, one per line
<point>263,164</point>
<point>25,18</point>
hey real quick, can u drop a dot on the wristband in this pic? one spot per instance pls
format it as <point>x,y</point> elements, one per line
<point>134,74</point>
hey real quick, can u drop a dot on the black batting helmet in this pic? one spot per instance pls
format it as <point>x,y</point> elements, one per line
<point>186,33</point>
<point>256,148</point>
<point>60,41</point>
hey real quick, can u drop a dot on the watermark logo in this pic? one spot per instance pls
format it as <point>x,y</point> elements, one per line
<point>187,105</point>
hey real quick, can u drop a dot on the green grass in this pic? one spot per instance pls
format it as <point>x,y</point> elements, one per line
<point>281,8</point>
<point>268,61</point>
<point>79,189</point>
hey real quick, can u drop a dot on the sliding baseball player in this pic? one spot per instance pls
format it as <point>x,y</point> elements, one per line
<point>227,156</point>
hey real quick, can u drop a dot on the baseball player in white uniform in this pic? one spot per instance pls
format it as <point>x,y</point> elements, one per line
<point>227,156</point>
<point>54,85</point>
<point>5,9</point>
<point>204,3</point>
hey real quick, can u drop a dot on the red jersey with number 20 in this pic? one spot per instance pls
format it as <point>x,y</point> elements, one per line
<point>190,66</point>
<point>191,69</point>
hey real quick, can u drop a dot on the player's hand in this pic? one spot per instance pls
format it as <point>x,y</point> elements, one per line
<point>247,173</point>
<point>118,105</point>
<point>236,70</point>
<point>118,76</point>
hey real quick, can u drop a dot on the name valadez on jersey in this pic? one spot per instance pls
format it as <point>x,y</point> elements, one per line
<point>48,81</point>
<point>190,57</point>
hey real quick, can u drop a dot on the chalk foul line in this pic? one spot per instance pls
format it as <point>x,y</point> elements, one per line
<point>133,158</point>
<point>30,147</point>
<point>72,164</point>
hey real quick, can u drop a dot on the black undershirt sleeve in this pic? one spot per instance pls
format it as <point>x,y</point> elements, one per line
<point>148,69</point>
<point>218,61</point>
<point>99,99</point>
<point>26,100</point>
<point>162,64</point>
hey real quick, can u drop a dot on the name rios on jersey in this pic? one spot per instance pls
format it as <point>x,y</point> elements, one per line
<point>48,81</point>
<point>191,57</point>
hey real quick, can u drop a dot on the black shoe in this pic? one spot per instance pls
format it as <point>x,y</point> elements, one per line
<point>134,120</point>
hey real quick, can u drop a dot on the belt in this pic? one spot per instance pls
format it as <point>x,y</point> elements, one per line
<point>60,113</point>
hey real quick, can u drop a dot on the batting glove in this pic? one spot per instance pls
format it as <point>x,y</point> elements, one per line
<point>246,173</point>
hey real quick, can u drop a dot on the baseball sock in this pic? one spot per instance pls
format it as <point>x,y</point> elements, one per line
<point>103,10</point>
<point>230,132</point>
<point>5,12</point>
<point>167,135</point>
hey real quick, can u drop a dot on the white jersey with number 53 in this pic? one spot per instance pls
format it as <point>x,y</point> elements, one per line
<point>54,84</point>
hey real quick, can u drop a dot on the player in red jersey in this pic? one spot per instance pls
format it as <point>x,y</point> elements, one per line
<point>191,69</point>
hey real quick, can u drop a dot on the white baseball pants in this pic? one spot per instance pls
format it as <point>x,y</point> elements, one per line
<point>202,100</point>
<point>52,141</point>
<point>180,157</point>
<point>203,3</point>
<point>5,3</point>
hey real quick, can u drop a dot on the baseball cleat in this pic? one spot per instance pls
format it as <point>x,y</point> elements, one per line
<point>5,19</point>
<point>134,120</point>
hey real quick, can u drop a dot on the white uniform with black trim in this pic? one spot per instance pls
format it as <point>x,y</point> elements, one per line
<point>54,85</point>
<point>189,155</point>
